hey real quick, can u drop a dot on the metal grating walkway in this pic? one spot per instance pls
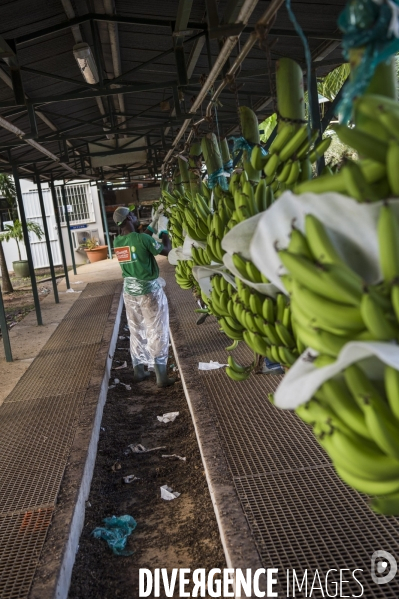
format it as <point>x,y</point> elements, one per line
<point>300,514</point>
<point>38,421</point>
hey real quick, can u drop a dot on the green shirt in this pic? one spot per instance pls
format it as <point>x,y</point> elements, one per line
<point>135,253</point>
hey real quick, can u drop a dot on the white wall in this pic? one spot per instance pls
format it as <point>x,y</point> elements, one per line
<point>10,248</point>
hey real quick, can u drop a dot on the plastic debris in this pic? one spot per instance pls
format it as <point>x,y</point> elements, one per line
<point>210,365</point>
<point>121,337</point>
<point>112,387</point>
<point>116,532</point>
<point>141,449</point>
<point>72,291</point>
<point>116,381</point>
<point>169,417</point>
<point>116,466</point>
<point>173,455</point>
<point>124,365</point>
<point>168,494</point>
<point>130,478</point>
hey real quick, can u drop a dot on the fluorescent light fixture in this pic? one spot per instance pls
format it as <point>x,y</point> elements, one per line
<point>86,62</point>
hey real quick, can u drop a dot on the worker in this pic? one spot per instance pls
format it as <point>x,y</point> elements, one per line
<point>145,301</point>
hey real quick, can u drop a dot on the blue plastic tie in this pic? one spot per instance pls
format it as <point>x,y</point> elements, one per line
<point>375,27</point>
<point>306,48</point>
<point>218,177</point>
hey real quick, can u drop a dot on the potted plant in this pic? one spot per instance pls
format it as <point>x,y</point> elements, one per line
<point>15,231</point>
<point>94,251</point>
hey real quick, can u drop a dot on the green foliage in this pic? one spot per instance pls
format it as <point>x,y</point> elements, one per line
<point>267,126</point>
<point>8,191</point>
<point>15,231</point>
<point>90,244</point>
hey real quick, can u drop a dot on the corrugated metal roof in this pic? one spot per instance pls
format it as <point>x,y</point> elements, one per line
<point>79,120</point>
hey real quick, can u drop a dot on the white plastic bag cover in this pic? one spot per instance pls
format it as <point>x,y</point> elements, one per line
<point>148,320</point>
<point>303,379</point>
<point>352,228</point>
<point>264,288</point>
<point>187,245</point>
<point>203,274</point>
<point>163,223</point>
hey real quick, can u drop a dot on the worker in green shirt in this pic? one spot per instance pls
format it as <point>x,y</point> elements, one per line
<point>145,301</point>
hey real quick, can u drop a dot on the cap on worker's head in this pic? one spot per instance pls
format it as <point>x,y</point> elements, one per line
<point>120,214</point>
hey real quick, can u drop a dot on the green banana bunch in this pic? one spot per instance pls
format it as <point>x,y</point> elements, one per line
<point>237,372</point>
<point>183,274</point>
<point>357,424</point>
<point>265,323</point>
<point>376,139</point>
<point>248,270</point>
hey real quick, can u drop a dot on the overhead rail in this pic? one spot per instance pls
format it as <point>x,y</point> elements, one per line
<point>229,44</point>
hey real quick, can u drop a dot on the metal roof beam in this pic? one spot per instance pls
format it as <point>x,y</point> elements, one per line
<point>58,77</point>
<point>127,89</point>
<point>102,17</point>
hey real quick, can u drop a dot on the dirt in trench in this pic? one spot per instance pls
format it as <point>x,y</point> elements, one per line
<point>182,533</point>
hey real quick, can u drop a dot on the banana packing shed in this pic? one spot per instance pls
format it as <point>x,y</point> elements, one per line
<point>97,98</point>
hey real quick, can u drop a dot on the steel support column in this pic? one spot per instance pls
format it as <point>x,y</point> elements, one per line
<point>59,230</point>
<point>47,237</point>
<point>314,110</point>
<point>27,244</point>
<point>104,215</point>
<point>4,330</point>
<point>64,203</point>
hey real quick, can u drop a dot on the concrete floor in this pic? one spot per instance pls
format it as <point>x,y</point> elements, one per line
<point>27,339</point>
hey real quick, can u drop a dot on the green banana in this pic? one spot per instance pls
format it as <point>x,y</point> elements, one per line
<point>237,367</point>
<point>388,242</point>
<point>232,346</point>
<point>375,319</point>
<point>325,311</point>
<point>299,245</point>
<point>294,143</point>
<point>365,144</point>
<point>332,281</point>
<point>336,393</point>
<point>319,242</point>
<point>367,486</point>
<point>232,333</point>
<point>384,431</point>
<point>386,505</point>
<point>356,184</point>
<point>391,380</point>
<point>237,376</point>
<point>320,149</point>
<point>361,460</point>
<point>294,173</point>
<point>360,385</point>
<point>392,167</point>
<point>284,334</point>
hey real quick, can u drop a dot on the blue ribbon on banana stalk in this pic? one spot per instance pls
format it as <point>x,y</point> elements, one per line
<point>218,177</point>
<point>242,145</point>
<point>374,25</point>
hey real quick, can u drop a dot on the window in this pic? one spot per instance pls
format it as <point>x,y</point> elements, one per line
<point>79,203</point>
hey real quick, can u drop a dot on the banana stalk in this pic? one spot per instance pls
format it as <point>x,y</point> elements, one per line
<point>195,169</point>
<point>289,88</point>
<point>184,176</point>
<point>224,150</point>
<point>249,125</point>
<point>211,152</point>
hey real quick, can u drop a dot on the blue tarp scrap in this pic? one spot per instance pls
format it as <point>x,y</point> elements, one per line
<point>116,532</point>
